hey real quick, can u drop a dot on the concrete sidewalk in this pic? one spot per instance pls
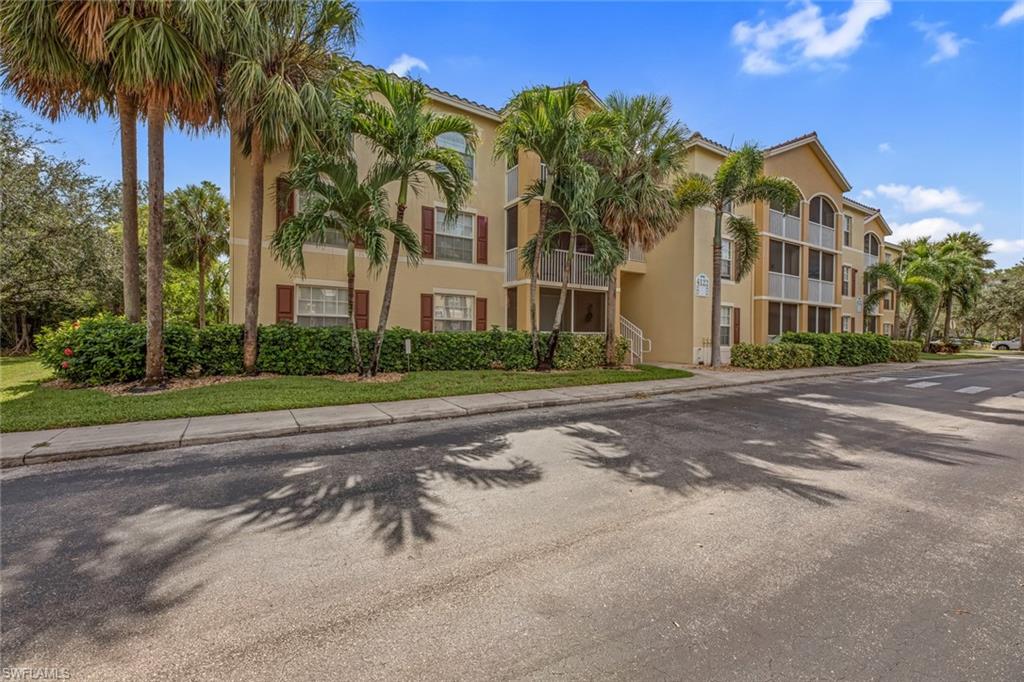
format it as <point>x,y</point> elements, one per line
<point>36,447</point>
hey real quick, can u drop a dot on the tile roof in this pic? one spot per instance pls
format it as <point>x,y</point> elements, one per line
<point>872,209</point>
<point>697,136</point>
<point>798,138</point>
<point>432,89</point>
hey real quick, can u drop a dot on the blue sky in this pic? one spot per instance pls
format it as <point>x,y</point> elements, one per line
<point>921,104</point>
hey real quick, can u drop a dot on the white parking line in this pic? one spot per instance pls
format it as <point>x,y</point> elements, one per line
<point>1018,394</point>
<point>973,389</point>
<point>879,380</point>
<point>923,384</point>
<point>936,376</point>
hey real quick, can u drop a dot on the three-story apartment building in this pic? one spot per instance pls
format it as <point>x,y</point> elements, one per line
<point>809,275</point>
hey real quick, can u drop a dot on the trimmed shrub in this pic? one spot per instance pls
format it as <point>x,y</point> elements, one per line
<point>826,346</point>
<point>864,349</point>
<point>905,351</point>
<point>781,355</point>
<point>943,347</point>
<point>109,349</point>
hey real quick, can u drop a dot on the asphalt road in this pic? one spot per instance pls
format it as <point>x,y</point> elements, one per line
<point>857,528</point>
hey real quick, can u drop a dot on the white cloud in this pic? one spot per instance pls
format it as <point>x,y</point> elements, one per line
<point>885,147</point>
<point>1008,246</point>
<point>933,228</point>
<point>406,63</point>
<point>946,43</point>
<point>919,199</point>
<point>804,37</point>
<point>1014,12</point>
<point>867,194</point>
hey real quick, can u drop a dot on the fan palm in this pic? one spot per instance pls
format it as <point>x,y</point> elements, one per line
<point>739,179</point>
<point>559,126</point>
<point>336,201</point>
<point>197,232</point>
<point>635,204</point>
<point>55,58</point>
<point>277,97</point>
<point>910,280</point>
<point>402,130</point>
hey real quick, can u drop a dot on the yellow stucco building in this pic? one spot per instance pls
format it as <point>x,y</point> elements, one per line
<point>809,275</point>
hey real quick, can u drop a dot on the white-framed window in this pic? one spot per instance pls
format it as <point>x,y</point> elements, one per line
<point>726,259</point>
<point>871,244</point>
<point>821,266</point>
<point>782,317</point>
<point>847,230</point>
<point>783,258</point>
<point>453,237</point>
<point>320,306</point>
<point>453,312</point>
<point>887,329</point>
<point>887,302</point>
<point>725,325</point>
<point>870,324</point>
<point>846,280</point>
<point>822,212</point>
<point>847,323</point>
<point>819,319</point>
<point>583,313</point>
<point>456,142</point>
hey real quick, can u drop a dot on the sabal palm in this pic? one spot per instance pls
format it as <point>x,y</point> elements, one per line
<point>197,232</point>
<point>335,199</point>
<point>738,180</point>
<point>910,280</point>
<point>560,126</point>
<point>397,122</point>
<point>55,58</point>
<point>277,97</point>
<point>635,203</point>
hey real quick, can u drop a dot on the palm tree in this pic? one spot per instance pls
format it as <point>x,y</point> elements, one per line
<point>55,57</point>
<point>559,126</point>
<point>277,81</point>
<point>970,278</point>
<point>911,279</point>
<point>336,201</point>
<point>403,132</point>
<point>635,204</point>
<point>197,232</point>
<point>739,179</point>
<point>959,276</point>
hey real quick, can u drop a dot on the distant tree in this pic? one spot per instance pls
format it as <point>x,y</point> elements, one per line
<point>197,234</point>
<point>1008,298</point>
<point>964,281</point>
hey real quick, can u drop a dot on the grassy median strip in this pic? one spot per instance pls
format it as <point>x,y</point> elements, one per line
<point>26,405</point>
<point>954,356</point>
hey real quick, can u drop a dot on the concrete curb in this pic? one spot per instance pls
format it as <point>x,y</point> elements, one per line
<point>117,439</point>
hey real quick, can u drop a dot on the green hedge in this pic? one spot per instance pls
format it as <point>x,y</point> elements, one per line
<point>826,346</point>
<point>905,351</point>
<point>864,349</point>
<point>107,349</point>
<point>781,355</point>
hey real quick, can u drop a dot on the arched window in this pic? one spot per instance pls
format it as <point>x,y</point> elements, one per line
<point>822,212</point>
<point>792,211</point>
<point>871,244</point>
<point>456,142</point>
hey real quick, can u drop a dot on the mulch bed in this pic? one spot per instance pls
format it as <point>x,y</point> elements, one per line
<point>129,388</point>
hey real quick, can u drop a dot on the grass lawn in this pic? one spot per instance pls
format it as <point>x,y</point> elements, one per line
<point>27,406</point>
<point>953,356</point>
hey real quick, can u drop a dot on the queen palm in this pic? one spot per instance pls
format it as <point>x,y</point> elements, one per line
<point>395,119</point>
<point>55,57</point>
<point>738,180</point>
<point>197,232</point>
<point>910,279</point>
<point>635,203</point>
<point>336,203</point>
<point>559,125</point>
<point>277,98</point>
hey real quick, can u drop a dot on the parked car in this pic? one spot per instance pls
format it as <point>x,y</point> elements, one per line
<point>1007,344</point>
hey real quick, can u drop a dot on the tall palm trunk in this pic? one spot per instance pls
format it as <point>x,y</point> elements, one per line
<point>389,284</point>
<point>202,292</point>
<point>716,292</point>
<point>350,264</point>
<point>127,113</point>
<point>155,113</point>
<point>896,315</point>
<point>610,332</point>
<point>538,255</point>
<point>254,253</point>
<point>949,319</point>
<point>556,327</point>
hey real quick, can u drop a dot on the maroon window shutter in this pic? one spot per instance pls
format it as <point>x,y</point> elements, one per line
<point>735,325</point>
<point>285,303</point>
<point>481,239</point>
<point>426,312</point>
<point>481,314</point>
<point>853,282</point>
<point>427,234</point>
<point>362,309</point>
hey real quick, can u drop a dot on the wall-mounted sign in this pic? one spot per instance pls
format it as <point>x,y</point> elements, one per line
<point>702,285</point>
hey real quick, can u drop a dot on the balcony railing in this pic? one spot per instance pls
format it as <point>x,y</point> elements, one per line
<point>551,265</point>
<point>636,254</point>
<point>820,291</point>
<point>821,235</point>
<point>512,184</point>
<point>869,260</point>
<point>782,225</point>
<point>784,286</point>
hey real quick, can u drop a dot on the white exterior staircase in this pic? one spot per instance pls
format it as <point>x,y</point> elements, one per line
<point>638,344</point>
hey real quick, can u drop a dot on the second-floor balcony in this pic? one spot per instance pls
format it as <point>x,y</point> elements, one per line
<point>821,235</point>
<point>784,286</point>
<point>636,254</point>
<point>869,260</point>
<point>551,267</point>
<point>511,184</point>
<point>783,225</point>
<point>820,291</point>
